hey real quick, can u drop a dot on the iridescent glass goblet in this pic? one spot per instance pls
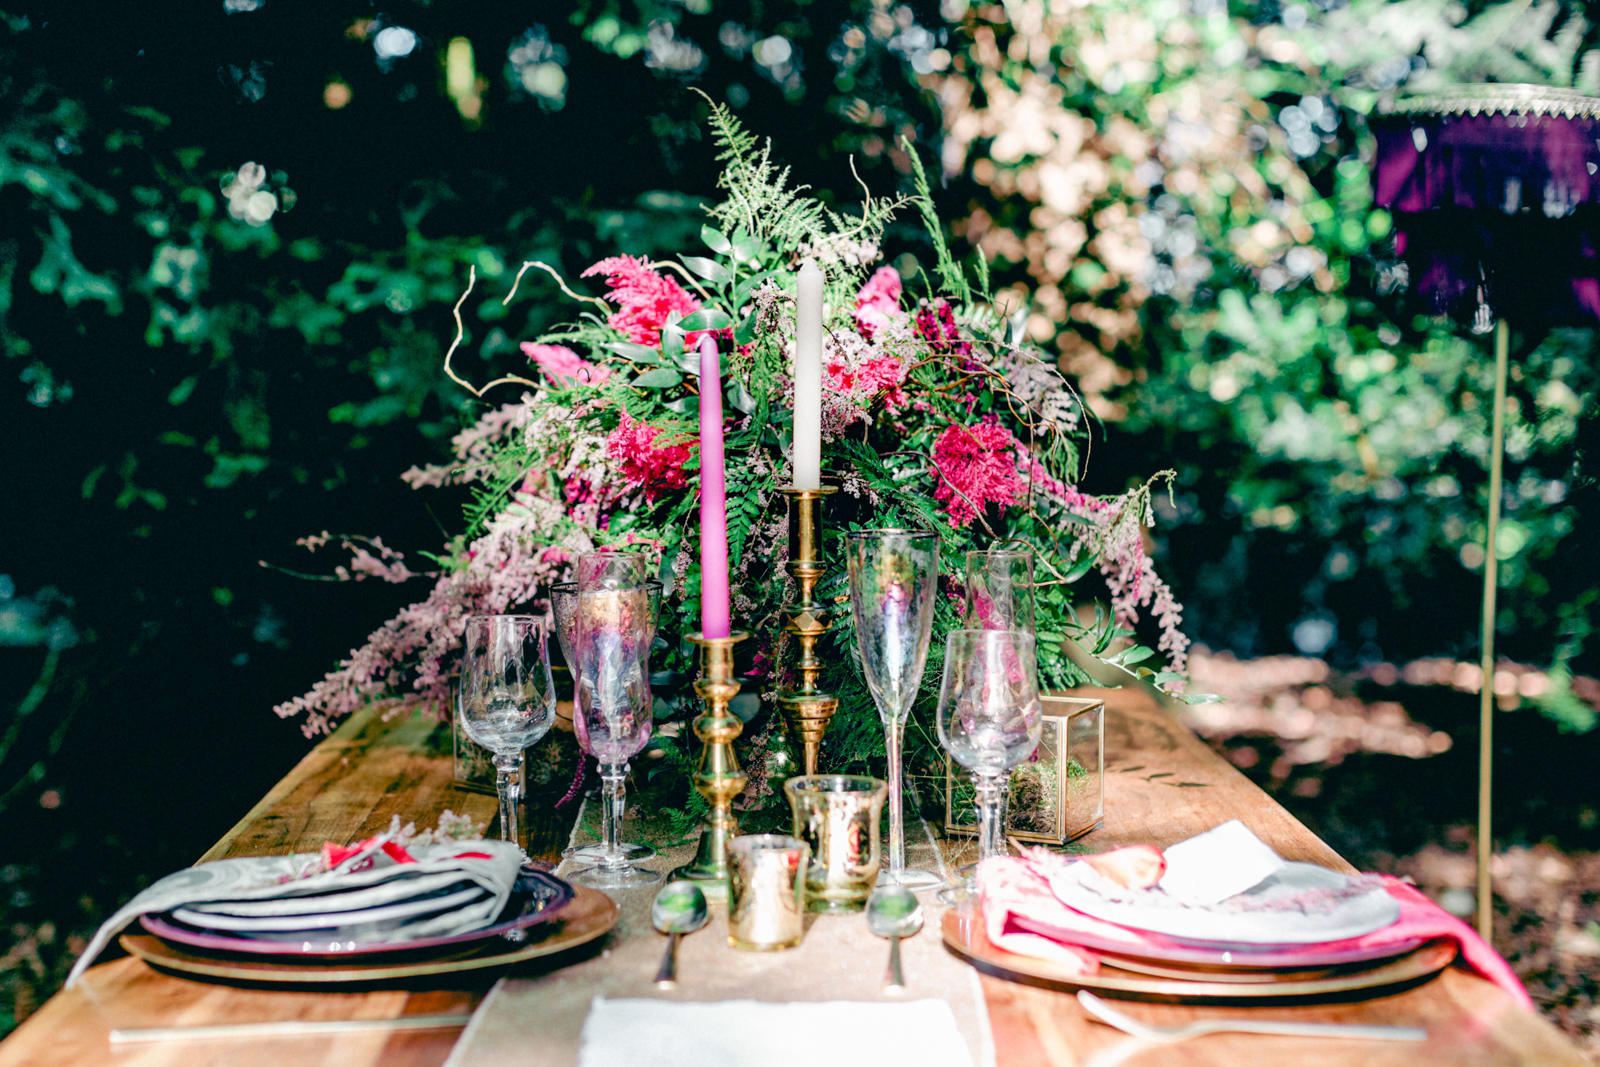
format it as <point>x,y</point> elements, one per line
<point>1000,589</point>
<point>507,699</point>
<point>893,577</point>
<point>564,605</point>
<point>990,717</point>
<point>613,714</point>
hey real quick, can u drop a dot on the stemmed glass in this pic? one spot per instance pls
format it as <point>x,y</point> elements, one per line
<point>893,577</point>
<point>613,713</point>
<point>990,717</point>
<point>507,698</point>
<point>564,604</point>
<point>1000,589</point>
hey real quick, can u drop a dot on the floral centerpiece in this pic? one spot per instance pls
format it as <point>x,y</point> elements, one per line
<point>936,414</point>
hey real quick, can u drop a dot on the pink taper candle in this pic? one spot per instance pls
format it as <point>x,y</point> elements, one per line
<point>715,620</point>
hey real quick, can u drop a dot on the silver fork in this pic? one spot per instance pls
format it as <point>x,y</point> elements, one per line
<point>1168,1034</point>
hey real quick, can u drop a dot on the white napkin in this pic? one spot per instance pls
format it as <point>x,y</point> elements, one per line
<point>750,1033</point>
<point>491,865</point>
<point>1213,866</point>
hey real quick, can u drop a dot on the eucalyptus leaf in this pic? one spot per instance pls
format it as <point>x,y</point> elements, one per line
<point>707,319</point>
<point>716,240</point>
<point>672,343</point>
<point>636,353</point>
<point>739,397</point>
<point>709,269</point>
<point>658,379</point>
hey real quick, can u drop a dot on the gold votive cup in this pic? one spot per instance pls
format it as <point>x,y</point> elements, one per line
<point>766,891</point>
<point>837,816</point>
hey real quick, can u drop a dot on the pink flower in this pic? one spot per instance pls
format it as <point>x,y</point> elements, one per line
<point>644,298</point>
<point>936,322</point>
<point>865,382</point>
<point>878,302</point>
<point>645,465</point>
<point>563,366</point>
<point>976,467</point>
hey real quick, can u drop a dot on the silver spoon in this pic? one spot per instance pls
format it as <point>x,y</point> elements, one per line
<point>1168,1034</point>
<point>680,908</point>
<point>893,912</point>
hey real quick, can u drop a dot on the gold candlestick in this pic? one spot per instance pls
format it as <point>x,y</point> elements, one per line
<point>718,778</point>
<point>807,709</point>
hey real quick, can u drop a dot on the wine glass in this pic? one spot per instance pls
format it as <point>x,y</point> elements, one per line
<point>564,605</point>
<point>507,699</point>
<point>990,717</point>
<point>1000,589</point>
<point>613,712</point>
<point>893,577</point>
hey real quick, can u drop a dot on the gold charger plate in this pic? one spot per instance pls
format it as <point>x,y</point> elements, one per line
<point>964,934</point>
<point>588,915</point>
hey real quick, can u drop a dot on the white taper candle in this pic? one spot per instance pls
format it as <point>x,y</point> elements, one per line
<point>808,379</point>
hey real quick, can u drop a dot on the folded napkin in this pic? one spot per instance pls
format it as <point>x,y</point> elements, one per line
<point>280,892</point>
<point>1021,914</point>
<point>750,1033</point>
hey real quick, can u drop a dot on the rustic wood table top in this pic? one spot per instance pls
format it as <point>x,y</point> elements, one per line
<point>350,785</point>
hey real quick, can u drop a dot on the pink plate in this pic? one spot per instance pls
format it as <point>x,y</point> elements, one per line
<point>1299,957</point>
<point>537,898</point>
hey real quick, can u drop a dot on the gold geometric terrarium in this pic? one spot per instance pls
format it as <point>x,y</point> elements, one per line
<point>1057,795</point>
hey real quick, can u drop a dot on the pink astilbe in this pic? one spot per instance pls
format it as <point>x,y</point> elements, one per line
<point>563,366</point>
<point>878,302</point>
<point>976,467</point>
<point>474,445</point>
<point>505,569</point>
<point>387,564</point>
<point>1116,535</point>
<point>644,298</point>
<point>645,465</point>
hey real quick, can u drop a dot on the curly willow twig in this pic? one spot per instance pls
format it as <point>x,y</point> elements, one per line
<point>472,278</point>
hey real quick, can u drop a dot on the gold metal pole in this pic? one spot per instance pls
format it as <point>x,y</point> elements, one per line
<point>1502,344</point>
<point>807,710</point>
<point>719,777</point>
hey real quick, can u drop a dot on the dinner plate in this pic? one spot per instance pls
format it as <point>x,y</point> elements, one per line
<point>427,904</point>
<point>1162,950</point>
<point>1301,904</point>
<point>535,899</point>
<point>586,916</point>
<point>964,934</point>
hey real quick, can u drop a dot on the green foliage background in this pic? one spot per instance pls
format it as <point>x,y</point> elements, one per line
<point>184,394</point>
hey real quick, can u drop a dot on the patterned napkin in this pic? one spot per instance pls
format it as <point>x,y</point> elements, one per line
<point>1022,914</point>
<point>327,888</point>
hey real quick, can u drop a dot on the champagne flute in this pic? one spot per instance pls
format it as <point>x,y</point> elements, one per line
<point>613,712</point>
<point>1000,589</point>
<point>990,718</point>
<point>507,699</point>
<point>893,577</point>
<point>564,605</point>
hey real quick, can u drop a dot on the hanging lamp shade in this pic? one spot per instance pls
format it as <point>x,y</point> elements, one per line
<point>1496,201</point>
<point>1495,191</point>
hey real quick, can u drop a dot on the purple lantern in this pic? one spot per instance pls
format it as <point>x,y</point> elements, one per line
<point>1497,215</point>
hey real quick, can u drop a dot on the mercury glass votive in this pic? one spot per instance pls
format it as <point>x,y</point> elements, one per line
<point>837,816</point>
<point>766,891</point>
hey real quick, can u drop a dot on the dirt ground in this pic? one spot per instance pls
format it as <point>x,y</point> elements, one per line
<point>1382,763</point>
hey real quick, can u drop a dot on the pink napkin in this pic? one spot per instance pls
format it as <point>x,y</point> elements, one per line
<point>1022,915</point>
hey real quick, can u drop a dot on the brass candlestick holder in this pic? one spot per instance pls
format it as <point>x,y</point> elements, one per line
<point>807,710</point>
<point>718,778</point>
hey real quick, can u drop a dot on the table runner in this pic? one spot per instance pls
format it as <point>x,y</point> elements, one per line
<point>839,960</point>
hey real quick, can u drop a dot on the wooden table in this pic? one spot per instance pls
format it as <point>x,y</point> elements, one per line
<point>351,784</point>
